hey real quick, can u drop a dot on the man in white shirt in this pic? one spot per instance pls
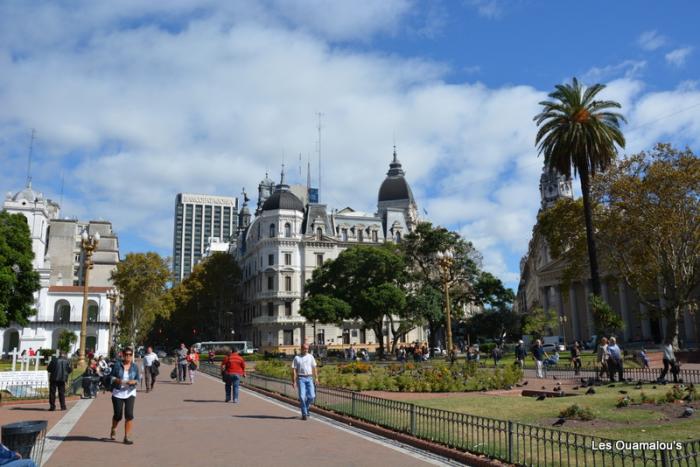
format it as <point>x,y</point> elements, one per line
<point>149,370</point>
<point>305,374</point>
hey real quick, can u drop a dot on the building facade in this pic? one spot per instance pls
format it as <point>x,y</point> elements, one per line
<point>197,219</point>
<point>288,238</point>
<point>541,285</point>
<point>59,260</point>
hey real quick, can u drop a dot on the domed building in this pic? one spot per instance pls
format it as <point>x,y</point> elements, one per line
<point>289,238</point>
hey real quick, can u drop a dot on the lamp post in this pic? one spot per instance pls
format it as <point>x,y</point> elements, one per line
<point>562,322</point>
<point>89,244</point>
<point>445,259</point>
<point>112,297</point>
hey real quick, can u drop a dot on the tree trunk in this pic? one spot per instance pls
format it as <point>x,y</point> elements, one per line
<point>588,215</point>
<point>379,335</point>
<point>671,315</point>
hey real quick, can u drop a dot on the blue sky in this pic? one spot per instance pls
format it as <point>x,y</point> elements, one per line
<point>135,101</point>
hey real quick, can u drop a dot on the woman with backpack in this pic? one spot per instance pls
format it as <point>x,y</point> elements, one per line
<point>124,379</point>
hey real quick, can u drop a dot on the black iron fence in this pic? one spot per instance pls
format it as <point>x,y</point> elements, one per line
<point>28,390</point>
<point>509,441</point>
<point>633,374</point>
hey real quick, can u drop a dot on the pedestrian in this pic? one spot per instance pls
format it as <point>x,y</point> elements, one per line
<point>181,355</point>
<point>192,363</point>
<point>211,356</point>
<point>603,356</point>
<point>89,380</point>
<point>576,357</point>
<point>232,370</point>
<point>670,362</point>
<point>644,358</point>
<point>10,458</point>
<point>615,364</point>
<point>124,377</point>
<point>305,374</point>
<point>353,353</point>
<point>496,355</point>
<point>59,370</point>
<point>539,354</point>
<point>150,368</point>
<point>520,354</point>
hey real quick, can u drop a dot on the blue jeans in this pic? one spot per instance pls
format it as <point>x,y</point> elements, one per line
<point>307,393</point>
<point>235,381</point>
<point>20,463</point>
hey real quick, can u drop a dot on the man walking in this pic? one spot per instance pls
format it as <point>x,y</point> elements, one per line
<point>182,363</point>
<point>59,369</point>
<point>615,364</point>
<point>305,374</point>
<point>232,370</point>
<point>539,354</point>
<point>150,368</point>
<point>520,354</point>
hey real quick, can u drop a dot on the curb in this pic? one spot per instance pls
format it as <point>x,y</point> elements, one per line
<point>461,456</point>
<point>35,401</point>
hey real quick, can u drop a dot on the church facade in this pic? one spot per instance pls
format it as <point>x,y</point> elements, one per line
<point>541,285</point>
<point>288,237</point>
<point>59,260</point>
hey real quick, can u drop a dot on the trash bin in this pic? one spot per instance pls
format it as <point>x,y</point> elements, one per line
<point>27,438</point>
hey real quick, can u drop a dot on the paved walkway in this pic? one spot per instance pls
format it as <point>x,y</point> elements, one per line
<point>192,426</point>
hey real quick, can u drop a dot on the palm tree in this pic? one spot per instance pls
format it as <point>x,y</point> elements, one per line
<point>580,132</point>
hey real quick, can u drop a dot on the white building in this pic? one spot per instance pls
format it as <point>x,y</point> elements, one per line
<point>58,258</point>
<point>288,239</point>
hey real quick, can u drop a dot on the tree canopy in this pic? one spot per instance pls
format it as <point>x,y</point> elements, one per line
<point>18,279</point>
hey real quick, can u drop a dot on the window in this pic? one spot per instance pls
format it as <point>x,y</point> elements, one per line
<point>319,233</point>
<point>288,309</point>
<point>288,337</point>
<point>272,230</point>
<point>288,284</point>
<point>287,259</point>
<point>270,260</point>
<point>398,237</point>
<point>287,230</point>
<point>375,237</point>
<point>344,235</point>
<point>319,259</point>
<point>62,312</point>
<point>360,235</point>
<point>93,312</point>
<point>270,283</point>
<point>270,309</point>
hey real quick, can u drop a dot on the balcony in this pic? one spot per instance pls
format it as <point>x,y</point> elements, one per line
<point>294,319</point>
<point>277,294</point>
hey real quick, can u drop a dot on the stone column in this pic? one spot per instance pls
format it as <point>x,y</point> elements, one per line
<point>589,313</point>
<point>646,324</point>
<point>624,310</point>
<point>545,298</point>
<point>688,328</point>
<point>604,291</point>
<point>575,321</point>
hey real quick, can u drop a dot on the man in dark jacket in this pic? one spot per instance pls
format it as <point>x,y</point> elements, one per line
<point>59,369</point>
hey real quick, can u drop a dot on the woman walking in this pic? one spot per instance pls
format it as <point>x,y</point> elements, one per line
<point>124,376</point>
<point>192,363</point>
<point>603,357</point>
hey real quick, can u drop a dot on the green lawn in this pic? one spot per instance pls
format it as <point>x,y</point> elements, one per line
<point>630,423</point>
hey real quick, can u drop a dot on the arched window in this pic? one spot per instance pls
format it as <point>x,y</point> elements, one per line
<point>93,312</point>
<point>91,343</point>
<point>360,235</point>
<point>319,233</point>
<point>272,230</point>
<point>287,230</point>
<point>62,312</point>
<point>344,235</point>
<point>398,237</point>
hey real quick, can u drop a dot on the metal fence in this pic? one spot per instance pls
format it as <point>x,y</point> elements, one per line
<point>19,390</point>
<point>633,374</point>
<point>509,441</point>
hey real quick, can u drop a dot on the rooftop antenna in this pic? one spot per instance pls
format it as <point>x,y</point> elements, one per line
<point>320,116</point>
<point>29,159</point>
<point>308,174</point>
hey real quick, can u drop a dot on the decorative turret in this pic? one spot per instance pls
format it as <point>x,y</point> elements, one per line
<point>554,186</point>
<point>265,189</point>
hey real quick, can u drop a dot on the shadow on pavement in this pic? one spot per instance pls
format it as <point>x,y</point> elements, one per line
<point>204,400</point>
<point>36,409</point>
<point>80,438</point>
<point>264,417</point>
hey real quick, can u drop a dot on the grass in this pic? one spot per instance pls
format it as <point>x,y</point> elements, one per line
<point>634,423</point>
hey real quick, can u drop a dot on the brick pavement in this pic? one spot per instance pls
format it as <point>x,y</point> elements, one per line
<point>183,425</point>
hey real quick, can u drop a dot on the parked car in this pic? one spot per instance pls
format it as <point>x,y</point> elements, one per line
<point>549,348</point>
<point>161,354</point>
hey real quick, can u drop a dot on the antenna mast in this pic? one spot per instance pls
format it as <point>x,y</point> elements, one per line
<point>319,115</point>
<point>29,159</point>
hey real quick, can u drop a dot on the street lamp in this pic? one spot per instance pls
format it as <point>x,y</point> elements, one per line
<point>112,297</point>
<point>562,322</point>
<point>445,260</point>
<point>89,245</point>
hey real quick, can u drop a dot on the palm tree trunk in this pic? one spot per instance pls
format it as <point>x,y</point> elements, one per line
<point>588,215</point>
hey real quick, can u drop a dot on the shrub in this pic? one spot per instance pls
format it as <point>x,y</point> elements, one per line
<point>355,368</point>
<point>675,394</point>
<point>576,412</point>
<point>645,399</point>
<point>274,369</point>
<point>623,402</point>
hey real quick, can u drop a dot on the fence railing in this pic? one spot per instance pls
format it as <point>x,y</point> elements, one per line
<point>21,390</point>
<point>506,440</point>
<point>634,374</point>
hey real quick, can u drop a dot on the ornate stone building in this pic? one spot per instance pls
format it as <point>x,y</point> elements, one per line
<point>58,258</point>
<point>288,238</point>
<point>541,286</point>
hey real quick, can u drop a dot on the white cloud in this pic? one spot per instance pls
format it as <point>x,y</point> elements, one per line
<point>627,69</point>
<point>677,57</point>
<point>651,40</point>
<point>492,9</point>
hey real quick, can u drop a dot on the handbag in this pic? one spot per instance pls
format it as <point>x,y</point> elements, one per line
<point>154,370</point>
<point>192,366</point>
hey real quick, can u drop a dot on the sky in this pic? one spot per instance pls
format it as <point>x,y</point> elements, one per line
<point>133,102</point>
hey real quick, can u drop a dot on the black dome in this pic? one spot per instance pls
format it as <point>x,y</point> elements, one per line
<point>282,199</point>
<point>394,188</point>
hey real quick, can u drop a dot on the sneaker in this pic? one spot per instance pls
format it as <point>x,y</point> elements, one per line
<point>52,409</point>
<point>303,417</point>
<point>227,400</point>
<point>235,401</point>
<point>128,441</point>
<point>113,434</point>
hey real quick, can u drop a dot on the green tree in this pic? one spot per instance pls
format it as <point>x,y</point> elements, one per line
<point>540,322</point>
<point>650,229</point>
<point>368,279</point>
<point>605,319</point>
<point>18,279</point>
<point>66,340</point>
<point>580,132</point>
<point>142,280</point>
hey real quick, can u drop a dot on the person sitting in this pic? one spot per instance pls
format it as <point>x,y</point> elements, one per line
<point>10,458</point>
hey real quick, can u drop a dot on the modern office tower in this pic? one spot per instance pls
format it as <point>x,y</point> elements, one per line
<point>197,219</point>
